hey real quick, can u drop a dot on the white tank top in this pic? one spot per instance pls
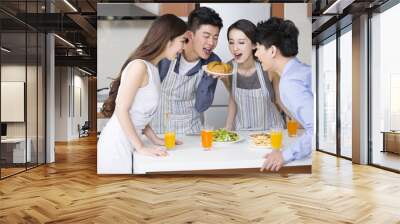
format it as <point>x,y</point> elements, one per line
<point>147,97</point>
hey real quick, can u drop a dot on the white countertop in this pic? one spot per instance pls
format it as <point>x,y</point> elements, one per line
<point>191,156</point>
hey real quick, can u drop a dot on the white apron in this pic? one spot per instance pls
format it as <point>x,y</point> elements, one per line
<point>255,110</point>
<point>177,104</point>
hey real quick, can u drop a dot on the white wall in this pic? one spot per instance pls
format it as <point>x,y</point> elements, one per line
<point>67,115</point>
<point>116,40</point>
<point>16,73</point>
<point>150,7</point>
<point>297,13</point>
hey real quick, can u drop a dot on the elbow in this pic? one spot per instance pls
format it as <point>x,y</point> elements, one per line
<point>121,111</point>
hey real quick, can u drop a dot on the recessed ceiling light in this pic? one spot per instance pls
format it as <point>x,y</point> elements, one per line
<point>65,41</point>
<point>70,5</point>
<point>5,50</point>
<point>84,71</point>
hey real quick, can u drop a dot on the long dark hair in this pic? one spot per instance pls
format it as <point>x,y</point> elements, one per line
<point>164,29</point>
<point>247,27</point>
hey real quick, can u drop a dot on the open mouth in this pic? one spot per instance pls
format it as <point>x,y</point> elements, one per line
<point>207,51</point>
<point>238,56</point>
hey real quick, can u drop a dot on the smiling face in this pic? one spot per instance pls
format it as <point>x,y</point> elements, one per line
<point>175,46</point>
<point>240,46</point>
<point>204,40</point>
<point>266,56</point>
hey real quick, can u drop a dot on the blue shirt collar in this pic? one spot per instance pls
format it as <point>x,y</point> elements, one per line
<point>289,64</point>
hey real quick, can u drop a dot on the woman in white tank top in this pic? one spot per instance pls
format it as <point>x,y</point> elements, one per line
<point>134,97</point>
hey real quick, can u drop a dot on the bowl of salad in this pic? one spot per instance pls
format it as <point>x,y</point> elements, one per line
<point>224,136</point>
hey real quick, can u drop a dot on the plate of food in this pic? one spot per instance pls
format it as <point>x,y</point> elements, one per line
<point>218,68</point>
<point>260,140</point>
<point>224,136</point>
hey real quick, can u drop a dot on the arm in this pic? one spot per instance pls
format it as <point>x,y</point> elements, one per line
<point>206,89</point>
<point>300,100</point>
<point>231,113</point>
<point>151,135</point>
<point>205,93</point>
<point>135,76</point>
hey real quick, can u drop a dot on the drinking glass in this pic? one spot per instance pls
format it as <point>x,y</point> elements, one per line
<point>292,126</point>
<point>169,139</point>
<point>207,137</point>
<point>276,138</point>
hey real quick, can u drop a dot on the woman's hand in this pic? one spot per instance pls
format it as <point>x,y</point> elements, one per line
<point>178,142</point>
<point>216,76</point>
<point>158,141</point>
<point>154,151</point>
<point>229,128</point>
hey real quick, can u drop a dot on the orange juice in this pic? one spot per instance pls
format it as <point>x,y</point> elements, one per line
<point>169,139</point>
<point>206,139</point>
<point>276,139</point>
<point>292,128</point>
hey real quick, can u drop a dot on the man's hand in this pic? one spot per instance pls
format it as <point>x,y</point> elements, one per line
<point>273,161</point>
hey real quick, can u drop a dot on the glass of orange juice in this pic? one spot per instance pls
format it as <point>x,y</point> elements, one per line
<point>169,139</point>
<point>276,138</point>
<point>207,137</point>
<point>292,126</point>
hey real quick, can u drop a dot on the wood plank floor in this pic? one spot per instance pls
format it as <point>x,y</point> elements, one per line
<point>70,191</point>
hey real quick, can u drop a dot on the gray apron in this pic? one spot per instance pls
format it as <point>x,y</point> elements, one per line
<point>255,110</point>
<point>176,110</point>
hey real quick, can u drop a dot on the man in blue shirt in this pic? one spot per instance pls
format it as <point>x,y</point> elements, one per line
<point>186,90</point>
<point>277,48</point>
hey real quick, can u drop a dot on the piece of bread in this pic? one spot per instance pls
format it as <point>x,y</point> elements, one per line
<point>219,67</point>
<point>261,139</point>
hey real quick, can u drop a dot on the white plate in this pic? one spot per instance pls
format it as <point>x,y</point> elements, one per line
<point>223,143</point>
<point>215,73</point>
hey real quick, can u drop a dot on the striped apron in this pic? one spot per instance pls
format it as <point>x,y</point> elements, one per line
<point>255,110</point>
<point>176,110</point>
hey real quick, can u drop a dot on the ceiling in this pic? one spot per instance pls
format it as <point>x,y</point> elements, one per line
<point>332,15</point>
<point>73,20</point>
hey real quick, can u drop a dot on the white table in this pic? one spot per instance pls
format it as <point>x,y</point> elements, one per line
<point>238,157</point>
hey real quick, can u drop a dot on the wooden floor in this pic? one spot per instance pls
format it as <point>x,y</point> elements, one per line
<point>386,159</point>
<point>70,191</point>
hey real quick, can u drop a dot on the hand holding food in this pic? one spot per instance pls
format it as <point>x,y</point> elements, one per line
<point>218,69</point>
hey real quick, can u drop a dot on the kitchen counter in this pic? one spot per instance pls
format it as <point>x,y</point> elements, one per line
<point>223,158</point>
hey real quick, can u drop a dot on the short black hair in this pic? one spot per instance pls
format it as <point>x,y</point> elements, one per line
<point>281,33</point>
<point>204,16</point>
<point>247,27</point>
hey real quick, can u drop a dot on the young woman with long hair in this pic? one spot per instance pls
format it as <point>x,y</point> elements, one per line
<point>134,97</point>
<point>253,100</point>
